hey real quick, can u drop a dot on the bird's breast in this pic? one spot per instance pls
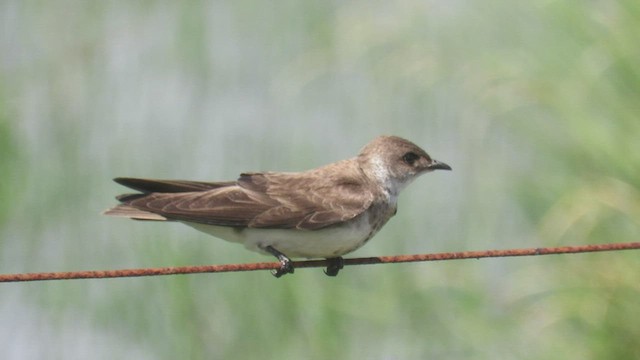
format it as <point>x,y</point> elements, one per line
<point>332,241</point>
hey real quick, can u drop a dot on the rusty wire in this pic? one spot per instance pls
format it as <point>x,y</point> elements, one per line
<point>199,269</point>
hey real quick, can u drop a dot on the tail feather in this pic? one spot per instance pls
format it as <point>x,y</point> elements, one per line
<point>130,212</point>
<point>148,186</point>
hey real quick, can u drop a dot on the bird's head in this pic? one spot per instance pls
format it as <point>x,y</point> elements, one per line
<point>394,162</point>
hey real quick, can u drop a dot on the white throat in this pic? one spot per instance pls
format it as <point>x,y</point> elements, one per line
<point>384,177</point>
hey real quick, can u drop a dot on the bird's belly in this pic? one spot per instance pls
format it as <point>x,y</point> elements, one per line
<point>325,243</point>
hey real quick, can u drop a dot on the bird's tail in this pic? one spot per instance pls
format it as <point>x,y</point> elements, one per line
<point>130,212</point>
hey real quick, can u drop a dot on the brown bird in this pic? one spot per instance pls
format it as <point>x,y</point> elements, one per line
<point>320,213</point>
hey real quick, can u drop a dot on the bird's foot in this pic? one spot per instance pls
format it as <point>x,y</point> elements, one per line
<point>335,265</point>
<point>286,267</point>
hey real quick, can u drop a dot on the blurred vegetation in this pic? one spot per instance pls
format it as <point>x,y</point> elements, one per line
<point>9,159</point>
<point>535,105</point>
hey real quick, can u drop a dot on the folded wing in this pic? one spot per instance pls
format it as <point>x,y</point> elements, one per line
<point>258,200</point>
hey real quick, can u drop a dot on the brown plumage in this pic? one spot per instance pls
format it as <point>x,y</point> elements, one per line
<point>324,212</point>
<point>302,201</point>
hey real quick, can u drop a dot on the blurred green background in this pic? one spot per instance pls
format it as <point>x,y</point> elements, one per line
<point>534,104</point>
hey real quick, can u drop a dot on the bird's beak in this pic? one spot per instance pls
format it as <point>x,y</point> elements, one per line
<point>437,165</point>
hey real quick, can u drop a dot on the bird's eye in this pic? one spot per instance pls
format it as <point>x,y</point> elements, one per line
<point>410,158</point>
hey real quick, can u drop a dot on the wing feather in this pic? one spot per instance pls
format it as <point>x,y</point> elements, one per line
<point>169,186</point>
<point>304,201</point>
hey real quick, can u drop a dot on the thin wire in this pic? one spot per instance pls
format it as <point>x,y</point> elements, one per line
<point>105,274</point>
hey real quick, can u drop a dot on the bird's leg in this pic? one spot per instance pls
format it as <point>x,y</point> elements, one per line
<point>285,263</point>
<point>335,265</point>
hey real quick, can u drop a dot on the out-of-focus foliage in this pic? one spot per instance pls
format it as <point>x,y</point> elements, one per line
<point>534,104</point>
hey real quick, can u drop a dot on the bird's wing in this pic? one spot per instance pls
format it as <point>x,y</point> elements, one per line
<point>307,201</point>
<point>263,200</point>
<point>169,186</point>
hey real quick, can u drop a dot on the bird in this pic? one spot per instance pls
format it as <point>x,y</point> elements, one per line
<point>325,212</point>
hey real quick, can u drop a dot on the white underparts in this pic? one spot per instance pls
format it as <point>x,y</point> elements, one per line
<point>323,243</point>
